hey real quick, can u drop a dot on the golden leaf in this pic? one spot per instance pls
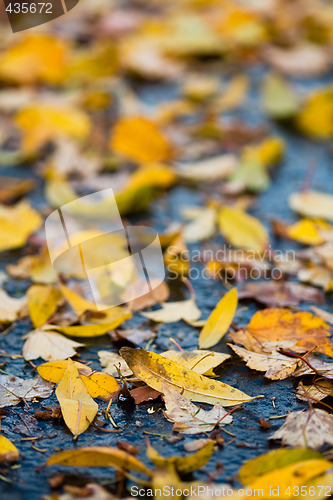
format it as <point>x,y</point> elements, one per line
<point>139,139</point>
<point>43,301</point>
<point>98,456</point>
<point>219,321</point>
<point>8,452</point>
<point>242,230</point>
<point>17,223</point>
<point>44,122</point>
<point>156,370</point>
<point>77,406</point>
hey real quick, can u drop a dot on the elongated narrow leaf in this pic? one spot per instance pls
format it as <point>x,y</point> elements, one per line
<point>219,320</point>
<point>98,456</point>
<point>156,371</point>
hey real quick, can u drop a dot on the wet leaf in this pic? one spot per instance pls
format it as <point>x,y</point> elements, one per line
<point>184,465</point>
<point>8,452</point>
<point>77,406</point>
<point>189,418</point>
<point>98,456</point>
<point>198,360</point>
<point>14,389</point>
<point>172,312</point>
<point>11,308</point>
<point>49,345</point>
<point>139,139</point>
<point>279,99</point>
<point>43,301</point>
<point>35,58</point>
<point>156,370</point>
<point>303,329</point>
<point>45,122</point>
<point>17,223</point>
<point>280,293</point>
<point>242,230</point>
<point>219,321</point>
<point>310,429</point>
<point>313,204</point>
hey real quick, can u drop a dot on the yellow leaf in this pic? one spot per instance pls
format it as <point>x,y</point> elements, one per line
<point>266,152</point>
<point>292,475</point>
<point>219,321</point>
<point>43,122</point>
<point>156,371</point>
<point>100,385</point>
<point>53,371</point>
<point>139,139</point>
<point>314,204</point>
<point>308,231</point>
<point>98,456</point>
<point>99,323</point>
<point>199,361</point>
<point>316,116</point>
<point>242,230</point>
<point>17,223</point>
<point>307,331</point>
<point>141,187</point>
<point>276,459</point>
<point>35,58</point>
<point>8,452</point>
<point>77,406</point>
<point>43,301</point>
<point>78,303</point>
<point>36,267</point>
<point>184,465</point>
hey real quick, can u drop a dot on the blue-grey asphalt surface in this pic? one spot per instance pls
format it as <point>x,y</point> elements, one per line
<point>27,481</point>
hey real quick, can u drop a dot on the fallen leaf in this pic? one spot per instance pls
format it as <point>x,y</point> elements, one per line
<point>53,371</point>
<point>35,58</point>
<point>139,139</point>
<point>100,385</point>
<point>310,429</point>
<point>302,60</point>
<point>45,343</point>
<point>135,335</point>
<point>312,204</point>
<point>190,419</point>
<point>280,293</point>
<point>305,330</point>
<point>8,452</point>
<point>14,389</point>
<point>278,460</point>
<point>276,366</point>
<point>109,361</point>
<point>278,98</point>
<point>99,456</point>
<point>11,308</point>
<point>36,267</point>
<point>200,361</point>
<point>77,406</point>
<point>158,294</point>
<point>17,223</point>
<point>44,122</point>
<point>156,370</point>
<point>308,232</point>
<point>183,465</point>
<point>172,312</point>
<point>43,301</point>
<point>242,230</point>
<point>11,188</point>
<point>324,315</point>
<point>318,390</point>
<point>219,321</point>
<point>202,225</point>
<point>209,170</point>
<point>316,115</point>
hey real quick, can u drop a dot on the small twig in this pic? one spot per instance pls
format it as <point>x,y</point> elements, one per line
<point>293,355</point>
<point>176,343</point>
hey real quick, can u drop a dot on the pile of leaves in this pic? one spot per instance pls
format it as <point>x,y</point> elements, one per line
<point>79,115</point>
